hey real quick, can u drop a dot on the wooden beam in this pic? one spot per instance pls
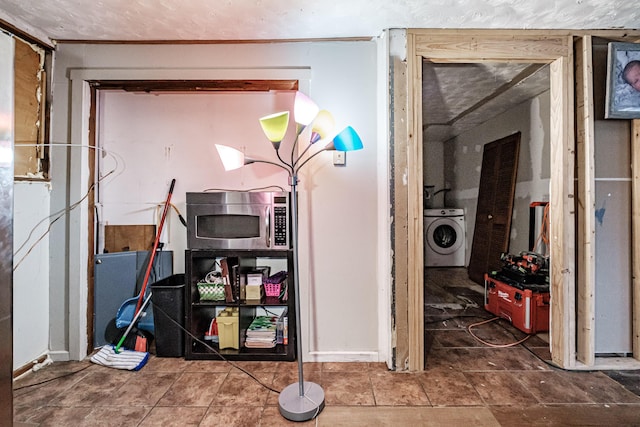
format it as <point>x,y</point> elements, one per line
<point>585,206</point>
<point>501,46</point>
<point>635,234</point>
<point>562,213</point>
<point>400,214</point>
<point>29,106</point>
<point>415,259</point>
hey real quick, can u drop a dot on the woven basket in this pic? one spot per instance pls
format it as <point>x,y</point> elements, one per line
<point>211,291</point>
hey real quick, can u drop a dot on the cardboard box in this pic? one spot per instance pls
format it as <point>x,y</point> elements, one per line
<point>228,329</point>
<point>253,292</point>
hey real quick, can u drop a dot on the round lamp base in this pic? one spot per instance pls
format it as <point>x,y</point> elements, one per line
<point>301,408</point>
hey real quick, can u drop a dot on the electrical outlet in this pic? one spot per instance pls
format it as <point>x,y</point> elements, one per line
<point>339,158</point>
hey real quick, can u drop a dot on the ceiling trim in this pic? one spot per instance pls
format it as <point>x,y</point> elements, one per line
<point>16,32</point>
<point>127,74</point>
<point>222,41</point>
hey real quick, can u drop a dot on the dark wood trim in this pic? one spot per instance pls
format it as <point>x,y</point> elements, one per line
<point>26,368</point>
<point>91,235</point>
<point>195,85</point>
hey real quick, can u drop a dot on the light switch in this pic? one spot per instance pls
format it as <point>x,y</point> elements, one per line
<point>339,158</point>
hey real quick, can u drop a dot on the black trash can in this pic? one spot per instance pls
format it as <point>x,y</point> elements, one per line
<point>168,304</point>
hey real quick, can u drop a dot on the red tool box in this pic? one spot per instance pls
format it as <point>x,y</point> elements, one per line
<point>525,309</point>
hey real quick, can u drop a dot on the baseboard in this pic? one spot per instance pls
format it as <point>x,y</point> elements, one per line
<point>343,356</point>
<point>29,366</point>
<point>59,356</point>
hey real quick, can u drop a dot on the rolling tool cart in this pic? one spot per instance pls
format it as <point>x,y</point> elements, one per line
<point>519,291</point>
<point>525,306</point>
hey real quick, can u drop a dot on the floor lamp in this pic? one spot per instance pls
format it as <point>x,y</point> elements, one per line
<point>300,401</point>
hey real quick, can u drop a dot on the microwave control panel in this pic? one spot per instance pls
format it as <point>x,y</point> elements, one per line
<point>280,226</point>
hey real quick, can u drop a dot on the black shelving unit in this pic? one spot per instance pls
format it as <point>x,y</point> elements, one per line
<point>199,314</point>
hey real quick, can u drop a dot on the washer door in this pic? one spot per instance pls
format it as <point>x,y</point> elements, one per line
<point>445,236</point>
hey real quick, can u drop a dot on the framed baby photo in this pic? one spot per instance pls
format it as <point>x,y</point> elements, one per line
<point>623,81</point>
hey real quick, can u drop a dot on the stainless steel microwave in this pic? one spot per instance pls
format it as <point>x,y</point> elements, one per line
<point>238,220</point>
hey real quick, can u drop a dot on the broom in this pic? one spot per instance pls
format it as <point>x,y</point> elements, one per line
<point>115,357</point>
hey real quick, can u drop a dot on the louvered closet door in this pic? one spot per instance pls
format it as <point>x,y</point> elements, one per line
<point>495,205</point>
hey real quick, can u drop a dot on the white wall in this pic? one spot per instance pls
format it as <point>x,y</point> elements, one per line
<point>463,160</point>
<point>31,272</point>
<point>173,136</point>
<point>339,218</point>
<point>433,173</point>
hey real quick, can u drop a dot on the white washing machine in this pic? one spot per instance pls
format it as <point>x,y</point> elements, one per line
<point>444,238</point>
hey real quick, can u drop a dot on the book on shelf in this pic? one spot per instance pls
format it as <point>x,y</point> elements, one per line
<point>261,333</point>
<point>243,276</point>
<point>282,333</point>
<point>226,279</point>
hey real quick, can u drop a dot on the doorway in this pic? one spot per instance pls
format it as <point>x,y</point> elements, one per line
<point>448,46</point>
<point>467,153</point>
<point>163,109</point>
<point>85,83</point>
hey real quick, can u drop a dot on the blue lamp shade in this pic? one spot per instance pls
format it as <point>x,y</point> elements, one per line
<point>347,140</point>
<point>230,157</point>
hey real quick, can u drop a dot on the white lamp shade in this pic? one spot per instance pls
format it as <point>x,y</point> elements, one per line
<point>304,109</point>
<point>322,125</point>
<point>231,158</point>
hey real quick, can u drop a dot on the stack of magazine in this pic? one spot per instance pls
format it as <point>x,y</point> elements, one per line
<point>267,331</point>
<point>262,332</point>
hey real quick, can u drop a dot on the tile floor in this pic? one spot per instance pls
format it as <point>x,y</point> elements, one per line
<point>466,383</point>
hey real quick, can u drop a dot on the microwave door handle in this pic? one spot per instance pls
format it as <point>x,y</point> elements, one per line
<point>267,223</point>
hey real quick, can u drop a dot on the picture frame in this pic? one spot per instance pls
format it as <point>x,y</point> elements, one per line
<point>622,99</point>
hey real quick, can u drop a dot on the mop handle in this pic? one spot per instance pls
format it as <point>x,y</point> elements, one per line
<point>133,322</point>
<point>155,246</point>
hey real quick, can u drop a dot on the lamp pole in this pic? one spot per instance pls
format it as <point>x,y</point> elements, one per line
<point>301,401</point>
<point>296,277</point>
<point>305,401</point>
<point>297,402</point>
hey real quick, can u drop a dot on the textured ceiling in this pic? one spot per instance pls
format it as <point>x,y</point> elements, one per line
<point>457,96</point>
<point>295,19</point>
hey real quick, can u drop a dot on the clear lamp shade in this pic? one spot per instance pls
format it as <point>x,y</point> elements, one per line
<point>231,158</point>
<point>347,140</point>
<point>275,126</point>
<point>322,125</point>
<point>304,109</point>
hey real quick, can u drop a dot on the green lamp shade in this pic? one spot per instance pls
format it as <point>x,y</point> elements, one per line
<point>230,157</point>
<point>322,125</point>
<point>347,140</point>
<point>275,126</point>
<point>304,109</point>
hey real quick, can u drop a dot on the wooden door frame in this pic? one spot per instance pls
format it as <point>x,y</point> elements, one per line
<point>451,46</point>
<point>533,46</point>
